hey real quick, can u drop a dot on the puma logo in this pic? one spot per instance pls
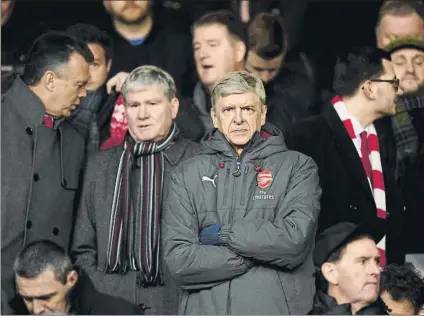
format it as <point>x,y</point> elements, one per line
<point>205,178</point>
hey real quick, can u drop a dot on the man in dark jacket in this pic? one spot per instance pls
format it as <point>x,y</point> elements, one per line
<point>356,182</point>
<point>96,104</point>
<point>117,233</point>
<point>240,218</point>
<point>219,45</point>
<point>406,129</point>
<point>290,93</point>
<point>48,283</point>
<point>140,40</point>
<point>348,273</point>
<point>42,154</point>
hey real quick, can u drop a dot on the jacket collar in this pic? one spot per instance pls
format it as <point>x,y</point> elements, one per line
<point>27,103</point>
<point>325,304</point>
<point>175,152</point>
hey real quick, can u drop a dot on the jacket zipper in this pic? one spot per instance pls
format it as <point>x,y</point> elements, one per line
<point>243,187</point>
<point>227,178</point>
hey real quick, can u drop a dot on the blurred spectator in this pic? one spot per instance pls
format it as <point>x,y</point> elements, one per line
<point>48,283</point>
<point>289,94</point>
<point>42,154</point>
<point>122,256</point>
<point>348,274</point>
<point>399,18</point>
<point>402,289</point>
<point>93,105</point>
<point>406,131</point>
<point>6,10</point>
<point>219,44</point>
<point>138,40</point>
<point>292,12</point>
<point>346,145</point>
<point>14,48</point>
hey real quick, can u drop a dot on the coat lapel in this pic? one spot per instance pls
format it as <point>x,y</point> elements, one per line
<point>348,152</point>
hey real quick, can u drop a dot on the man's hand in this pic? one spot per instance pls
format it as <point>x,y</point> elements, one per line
<point>116,81</point>
<point>210,235</point>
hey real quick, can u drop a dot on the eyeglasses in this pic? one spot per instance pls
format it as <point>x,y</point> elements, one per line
<point>394,82</point>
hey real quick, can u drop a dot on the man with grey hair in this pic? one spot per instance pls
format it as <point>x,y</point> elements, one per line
<point>240,217</point>
<point>117,230</point>
<point>48,283</point>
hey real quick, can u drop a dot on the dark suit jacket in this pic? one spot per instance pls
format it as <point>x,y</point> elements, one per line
<point>346,195</point>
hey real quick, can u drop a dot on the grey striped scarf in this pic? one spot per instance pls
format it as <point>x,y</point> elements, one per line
<point>404,132</point>
<point>134,230</point>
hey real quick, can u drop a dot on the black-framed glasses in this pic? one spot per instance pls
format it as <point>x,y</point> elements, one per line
<point>394,82</point>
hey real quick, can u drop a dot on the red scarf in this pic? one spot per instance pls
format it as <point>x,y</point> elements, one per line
<point>118,126</point>
<point>375,177</point>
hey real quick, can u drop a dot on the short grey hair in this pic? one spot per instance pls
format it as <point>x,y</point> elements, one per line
<point>40,256</point>
<point>149,76</point>
<point>237,83</point>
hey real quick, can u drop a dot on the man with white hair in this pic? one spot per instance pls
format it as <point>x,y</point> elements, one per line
<point>117,231</point>
<point>240,217</point>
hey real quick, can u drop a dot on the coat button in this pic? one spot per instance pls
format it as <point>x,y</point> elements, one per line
<point>28,130</point>
<point>28,224</point>
<point>55,231</point>
<point>36,177</point>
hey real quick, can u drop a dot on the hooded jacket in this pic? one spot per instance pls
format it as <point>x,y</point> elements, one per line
<point>267,201</point>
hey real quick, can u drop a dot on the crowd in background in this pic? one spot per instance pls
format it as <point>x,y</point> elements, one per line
<point>198,158</point>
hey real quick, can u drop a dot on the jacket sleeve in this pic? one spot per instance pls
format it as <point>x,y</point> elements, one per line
<point>286,241</point>
<point>84,241</point>
<point>193,266</point>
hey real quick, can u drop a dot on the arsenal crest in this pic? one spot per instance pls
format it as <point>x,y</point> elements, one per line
<point>264,179</point>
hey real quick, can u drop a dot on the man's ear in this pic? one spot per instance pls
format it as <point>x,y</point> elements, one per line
<point>175,105</point>
<point>109,65</point>
<point>263,114</point>
<point>240,51</point>
<point>369,90</point>
<point>214,118</point>
<point>330,272</point>
<point>48,80</point>
<point>71,279</point>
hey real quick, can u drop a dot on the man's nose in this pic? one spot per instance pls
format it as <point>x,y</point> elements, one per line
<point>83,93</point>
<point>238,117</point>
<point>374,269</point>
<point>143,112</point>
<point>37,307</point>
<point>265,76</point>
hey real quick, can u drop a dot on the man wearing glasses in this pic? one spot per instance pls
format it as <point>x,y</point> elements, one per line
<point>347,147</point>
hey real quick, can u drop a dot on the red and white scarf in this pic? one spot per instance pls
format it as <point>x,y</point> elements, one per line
<point>118,126</point>
<point>377,180</point>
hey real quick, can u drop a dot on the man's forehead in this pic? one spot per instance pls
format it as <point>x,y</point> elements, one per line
<point>401,24</point>
<point>209,31</point>
<point>363,247</point>
<point>248,98</point>
<point>256,61</point>
<point>38,286</point>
